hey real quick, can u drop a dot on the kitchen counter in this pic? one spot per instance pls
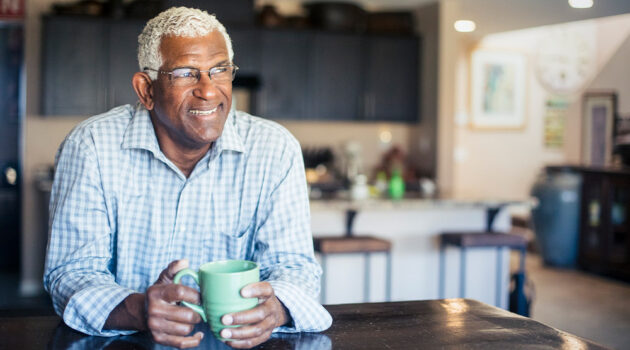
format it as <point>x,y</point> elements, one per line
<point>413,227</point>
<point>412,203</point>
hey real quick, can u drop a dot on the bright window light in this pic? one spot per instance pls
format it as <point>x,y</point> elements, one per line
<point>465,26</point>
<point>581,4</point>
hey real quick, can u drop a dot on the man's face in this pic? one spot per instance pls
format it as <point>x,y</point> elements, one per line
<point>191,117</point>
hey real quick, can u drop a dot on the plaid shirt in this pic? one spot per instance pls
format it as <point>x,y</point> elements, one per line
<point>121,211</point>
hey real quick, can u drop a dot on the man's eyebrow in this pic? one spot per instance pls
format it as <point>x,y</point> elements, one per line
<point>223,63</point>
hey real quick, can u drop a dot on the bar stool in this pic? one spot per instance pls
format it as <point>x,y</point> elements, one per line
<point>466,240</point>
<point>365,245</point>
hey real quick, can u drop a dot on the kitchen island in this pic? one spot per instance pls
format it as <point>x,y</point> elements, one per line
<point>412,226</point>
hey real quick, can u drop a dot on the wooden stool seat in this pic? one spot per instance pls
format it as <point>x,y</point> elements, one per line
<point>339,245</point>
<point>349,244</point>
<point>476,239</point>
<point>482,239</point>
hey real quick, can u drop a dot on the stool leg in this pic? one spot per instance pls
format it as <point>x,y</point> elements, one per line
<point>442,273</point>
<point>323,288</point>
<point>462,273</point>
<point>499,277</point>
<point>388,290</point>
<point>366,282</point>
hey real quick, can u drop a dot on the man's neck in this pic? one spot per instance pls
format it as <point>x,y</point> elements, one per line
<point>183,157</point>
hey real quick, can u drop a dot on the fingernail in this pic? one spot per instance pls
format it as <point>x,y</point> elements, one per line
<point>245,293</point>
<point>227,320</point>
<point>226,333</point>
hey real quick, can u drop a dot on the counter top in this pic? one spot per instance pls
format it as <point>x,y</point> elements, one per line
<point>415,203</point>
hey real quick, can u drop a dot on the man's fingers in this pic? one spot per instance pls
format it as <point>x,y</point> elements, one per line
<point>249,331</point>
<point>177,292</point>
<point>161,325</point>
<point>261,290</point>
<point>249,343</point>
<point>173,268</point>
<point>250,316</point>
<point>178,341</point>
<point>175,313</point>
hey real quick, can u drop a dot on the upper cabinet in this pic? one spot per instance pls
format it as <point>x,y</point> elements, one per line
<point>122,61</point>
<point>391,86</point>
<point>88,65</point>
<point>283,75</point>
<point>74,68</point>
<point>334,90</point>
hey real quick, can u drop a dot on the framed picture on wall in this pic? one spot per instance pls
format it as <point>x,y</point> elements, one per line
<point>598,125</point>
<point>498,90</point>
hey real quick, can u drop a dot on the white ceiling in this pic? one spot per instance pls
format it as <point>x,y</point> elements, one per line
<point>494,16</point>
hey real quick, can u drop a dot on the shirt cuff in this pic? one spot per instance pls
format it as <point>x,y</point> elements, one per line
<point>88,309</point>
<point>307,314</point>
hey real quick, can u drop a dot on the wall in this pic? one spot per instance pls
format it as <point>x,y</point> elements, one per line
<point>504,163</point>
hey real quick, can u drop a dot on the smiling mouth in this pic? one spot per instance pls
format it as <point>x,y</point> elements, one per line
<point>203,112</point>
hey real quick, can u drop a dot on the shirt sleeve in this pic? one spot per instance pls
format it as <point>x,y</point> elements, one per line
<point>78,272</point>
<point>284,247</point>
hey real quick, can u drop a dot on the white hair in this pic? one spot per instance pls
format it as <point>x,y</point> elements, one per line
<point>177,21</point>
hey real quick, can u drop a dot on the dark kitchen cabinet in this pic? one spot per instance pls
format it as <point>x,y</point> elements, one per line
<point>284,72</point>
<point>88,64</point>
<point>74,66</point>
<point>123,62</point>
<point>391,87</point>
<point>246,44</point>
<point>334,81</point>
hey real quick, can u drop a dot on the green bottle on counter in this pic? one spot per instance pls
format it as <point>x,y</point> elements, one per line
<point>396,185</point>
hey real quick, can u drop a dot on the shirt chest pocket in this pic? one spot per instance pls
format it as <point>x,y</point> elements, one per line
<point>230,227</point>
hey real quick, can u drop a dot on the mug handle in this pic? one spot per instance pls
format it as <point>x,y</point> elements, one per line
<point>197,308</point>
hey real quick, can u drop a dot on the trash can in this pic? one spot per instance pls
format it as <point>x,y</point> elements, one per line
<point>556,219</point>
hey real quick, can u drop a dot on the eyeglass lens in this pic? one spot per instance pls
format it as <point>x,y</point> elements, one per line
<point>189,76</point>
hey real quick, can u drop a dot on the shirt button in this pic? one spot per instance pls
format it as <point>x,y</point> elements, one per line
<point>183,229</point>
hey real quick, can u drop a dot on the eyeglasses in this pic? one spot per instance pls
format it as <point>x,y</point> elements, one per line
<point>190,76</point>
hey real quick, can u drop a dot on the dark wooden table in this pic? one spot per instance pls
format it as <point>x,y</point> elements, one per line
<point>431,324</point>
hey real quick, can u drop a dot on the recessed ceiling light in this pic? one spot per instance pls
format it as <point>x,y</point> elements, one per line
<point>581,4</point>
<point>465,26</point>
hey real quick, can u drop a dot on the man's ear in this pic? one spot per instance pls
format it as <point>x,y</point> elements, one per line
<point>143,85</point>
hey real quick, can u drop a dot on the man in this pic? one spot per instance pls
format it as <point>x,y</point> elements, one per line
<point>179,180</point>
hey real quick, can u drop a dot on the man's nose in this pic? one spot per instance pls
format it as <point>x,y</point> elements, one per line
<point>206,88</point>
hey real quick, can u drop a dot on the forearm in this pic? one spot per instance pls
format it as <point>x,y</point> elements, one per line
<point>129,314</point>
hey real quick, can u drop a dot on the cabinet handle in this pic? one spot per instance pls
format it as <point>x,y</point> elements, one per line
<point>10,176</point>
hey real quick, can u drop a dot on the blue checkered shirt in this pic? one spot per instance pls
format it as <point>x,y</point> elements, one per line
<point>121,212</point>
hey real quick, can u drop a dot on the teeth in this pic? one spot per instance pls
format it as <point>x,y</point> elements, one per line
<point>198,112</point>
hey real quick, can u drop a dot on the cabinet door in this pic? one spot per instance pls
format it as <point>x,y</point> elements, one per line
<point>283,74</point>
<point>246,45</point>
<point>74,66</point>
<point>334,90</point>
<point>123,61</point>
<point>391,92</point>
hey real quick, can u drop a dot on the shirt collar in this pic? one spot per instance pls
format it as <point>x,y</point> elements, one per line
<point>230,140</point>
<point>141,134</point>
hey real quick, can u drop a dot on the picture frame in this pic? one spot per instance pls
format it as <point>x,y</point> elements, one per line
<point>498,85</point>
<point>598,127</point>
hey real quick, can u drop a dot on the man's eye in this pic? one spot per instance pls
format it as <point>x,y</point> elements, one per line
<point>183,73</point>
<point>218,70</point>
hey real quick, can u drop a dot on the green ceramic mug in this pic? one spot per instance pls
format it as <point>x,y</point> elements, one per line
<point>221,283</point>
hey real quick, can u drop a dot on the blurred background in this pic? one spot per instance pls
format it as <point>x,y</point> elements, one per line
<point>418,116</point>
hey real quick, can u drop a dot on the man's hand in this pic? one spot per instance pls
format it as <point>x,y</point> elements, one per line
<point>169,323</point>
<point>258,322</point>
